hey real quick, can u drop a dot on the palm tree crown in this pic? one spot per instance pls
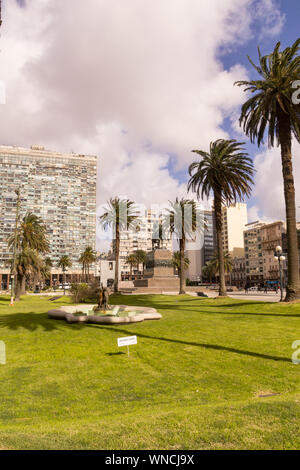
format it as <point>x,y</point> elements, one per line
<point>225,168</point>
<point>272,95</point>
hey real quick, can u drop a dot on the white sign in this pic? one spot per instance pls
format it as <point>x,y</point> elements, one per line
<point>127,341</point>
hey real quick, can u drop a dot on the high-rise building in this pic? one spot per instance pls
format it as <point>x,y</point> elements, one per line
<point>234,219</point>
<point>253,252</point>
<point>59,188</point>
<point>204,247</point>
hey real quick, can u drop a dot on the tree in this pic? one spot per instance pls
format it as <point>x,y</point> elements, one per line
<point>226,171</point>
<point>28,262</point>
<point>64,263</point>
<point>119,215</point>
<point>272,107</point>
<point>132,261</point>
<point>29,238</point>
<point>208,271</point>
<point>141,257</point>
<point>87,258</point>
<point>177,262</point>
<point>181,220</point>
<point>215,264</point>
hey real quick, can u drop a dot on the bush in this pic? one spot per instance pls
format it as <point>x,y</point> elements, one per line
<point>85,293</point>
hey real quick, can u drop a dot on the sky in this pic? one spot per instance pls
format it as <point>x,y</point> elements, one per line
<point>141,84</point>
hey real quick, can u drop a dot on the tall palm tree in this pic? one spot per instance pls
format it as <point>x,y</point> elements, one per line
<point>87,258</point>
<point>30,235</point>
<point>182,221</point>
<point>272,107</point>
<point>141,257</point>
<point>177,262</point>
<point>132,261</point>
<point>208,271</point>
<point>226,171</point>
<point>120,215</point>
<point>64,263</point>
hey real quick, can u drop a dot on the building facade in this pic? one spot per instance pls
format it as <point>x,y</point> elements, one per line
<point>143,237</point>
<point>59,188</point>
<point>272,235</point>
<point>238,274</point>
<point>234,220</point>
<point>254,262</point>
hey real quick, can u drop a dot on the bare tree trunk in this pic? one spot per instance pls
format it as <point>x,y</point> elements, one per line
<point>218,218</point>
<point>23,285</point>
<point>117,256</point>
<point>293,286</point>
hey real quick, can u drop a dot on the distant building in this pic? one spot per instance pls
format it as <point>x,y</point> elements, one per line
<point>234,220</point>
<point>61,189</point>
<point>142,237</point>
<point>254,263</point>
<point>204,248</point>
<point>105,271</point>
<point>238,274</point>
<point>272,235</point>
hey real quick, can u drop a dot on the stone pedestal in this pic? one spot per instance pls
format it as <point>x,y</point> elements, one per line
<point>159,272</point>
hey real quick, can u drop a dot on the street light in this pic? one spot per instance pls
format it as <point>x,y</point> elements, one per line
<point>278,257</point>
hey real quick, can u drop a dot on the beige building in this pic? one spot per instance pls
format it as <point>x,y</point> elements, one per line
<point>271,236</point>
<point>253,252</point>
<point>234,220</point>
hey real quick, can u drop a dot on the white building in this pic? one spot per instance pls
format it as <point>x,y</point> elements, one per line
<point>234,219</point>
<point>105,270</point>
<point>141,237</point>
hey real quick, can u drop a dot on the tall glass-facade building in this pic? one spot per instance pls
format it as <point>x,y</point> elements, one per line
<point>60,188</point>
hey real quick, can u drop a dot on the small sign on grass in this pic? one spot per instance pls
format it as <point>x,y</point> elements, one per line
<point>127,341</point>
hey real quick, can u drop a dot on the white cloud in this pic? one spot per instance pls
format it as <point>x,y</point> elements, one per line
<point>268,190</point>
<point>129,81</point>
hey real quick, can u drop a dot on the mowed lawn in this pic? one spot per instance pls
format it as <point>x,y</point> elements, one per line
<point>193,381</point>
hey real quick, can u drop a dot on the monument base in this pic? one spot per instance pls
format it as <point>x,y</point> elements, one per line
<point>159,272</point>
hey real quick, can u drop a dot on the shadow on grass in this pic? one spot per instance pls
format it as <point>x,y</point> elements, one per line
<point>29,321</point>
<point>214,347</point>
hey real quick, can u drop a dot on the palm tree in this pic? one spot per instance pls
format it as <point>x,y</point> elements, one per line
<point>215,264</point>
<point>208,271</point>
<point>30,235</point>
<point>28,262</point>
<point>272,106</point>
<point>177,262</point>
<point>226,171</point>
<point>87,258</point>
<point>119,215</point>
<point>64,263</point>
<point>131,260</point>
<point>182,221</point>
<point>141,257</point>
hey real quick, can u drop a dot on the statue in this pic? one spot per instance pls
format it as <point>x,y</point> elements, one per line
<point>103,299</point>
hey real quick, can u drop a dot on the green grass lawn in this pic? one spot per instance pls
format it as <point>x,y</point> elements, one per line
<point>192,382</point>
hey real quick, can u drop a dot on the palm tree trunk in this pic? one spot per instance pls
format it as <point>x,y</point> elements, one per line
<point>19,286</point>
<point>293,286</point>
<point>23,286</point>
<point>218,219</point>
<point>117,256</point>
<point>182,271</point>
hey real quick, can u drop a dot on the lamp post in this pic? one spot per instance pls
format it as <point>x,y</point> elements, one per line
<point>280,258</point>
